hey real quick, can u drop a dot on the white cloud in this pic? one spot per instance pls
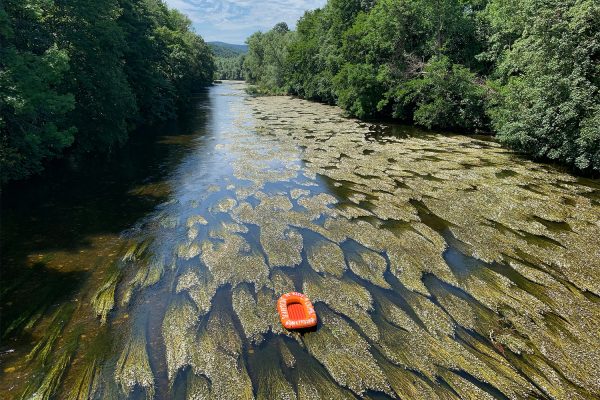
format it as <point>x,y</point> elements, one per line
<point>234,20</point>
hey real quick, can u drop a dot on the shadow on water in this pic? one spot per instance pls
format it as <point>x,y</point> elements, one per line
<point>381,132</point>
<point>74,200</point>
<point>36,290</point>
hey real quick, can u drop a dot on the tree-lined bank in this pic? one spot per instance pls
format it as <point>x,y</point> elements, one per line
<point>79,76</point>
<point>528,71</point>
<point>229,60</point>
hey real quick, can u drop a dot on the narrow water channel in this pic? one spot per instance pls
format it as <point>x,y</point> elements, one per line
<point>441,266</point>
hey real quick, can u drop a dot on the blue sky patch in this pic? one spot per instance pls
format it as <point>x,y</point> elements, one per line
<point>233,21</point>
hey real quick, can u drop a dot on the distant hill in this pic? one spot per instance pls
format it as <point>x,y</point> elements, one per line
<point>228,50</point>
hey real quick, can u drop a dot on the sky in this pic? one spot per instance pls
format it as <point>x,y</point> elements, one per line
<point>232,21</point>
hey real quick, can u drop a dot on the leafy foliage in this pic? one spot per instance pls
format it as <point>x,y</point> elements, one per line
<point>229,60</point>
<point>230,68</point>
<point>549,79</point>
<point>266,61</point>
<point>33,110</point>
<point>447,96</point>
<point>527,70</point>
<point>81,74</point>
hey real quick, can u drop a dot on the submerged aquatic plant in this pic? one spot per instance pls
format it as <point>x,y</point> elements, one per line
<point>104,299</point>
<point>436,273</point>
<point>346,355</point>
<point>178,329</point>
<point>53,364</point>
<point>133,367</point>
<point>326,257</point>
<point>269,369</point>
<point>217,355</point>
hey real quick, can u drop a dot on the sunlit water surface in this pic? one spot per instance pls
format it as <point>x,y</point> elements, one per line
<point>440,266</point>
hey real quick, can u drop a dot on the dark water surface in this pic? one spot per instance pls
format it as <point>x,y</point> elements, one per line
<point>441,266</point>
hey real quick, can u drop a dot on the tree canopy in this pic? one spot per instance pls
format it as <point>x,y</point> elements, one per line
<point>527,71</point>
<point>80,75</point>
<point>229,60</point>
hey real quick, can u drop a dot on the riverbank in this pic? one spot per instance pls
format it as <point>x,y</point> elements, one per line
<point>470,67</point>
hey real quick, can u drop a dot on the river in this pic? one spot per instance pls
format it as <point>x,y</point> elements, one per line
<point>441,266</point>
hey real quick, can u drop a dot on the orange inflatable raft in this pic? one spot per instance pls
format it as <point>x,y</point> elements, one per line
<point>296,311</point>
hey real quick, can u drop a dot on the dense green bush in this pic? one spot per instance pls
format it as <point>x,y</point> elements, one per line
<point>549,80</point>
<point>445,96</point>
<point>231,68</point>
<point>81,74</point>
<point>266,62</point>
<point>358,89</point>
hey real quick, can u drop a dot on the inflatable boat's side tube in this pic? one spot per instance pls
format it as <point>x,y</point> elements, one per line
<point>291,320</point>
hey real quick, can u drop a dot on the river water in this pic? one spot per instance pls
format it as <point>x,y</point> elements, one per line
<point>441,266</point>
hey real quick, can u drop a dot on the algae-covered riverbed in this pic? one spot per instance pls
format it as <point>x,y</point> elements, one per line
<point>441,266</point>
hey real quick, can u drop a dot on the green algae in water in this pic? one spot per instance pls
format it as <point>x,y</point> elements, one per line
<point>198,387</point>
<point>316,385</point>
<point>286,355</point>
<point>260,316</point>
<point>88,383</point>
<point>133,367</point>
<point>369,265</point>
<point>178,331</point>
<point>104,299</point>
<point>297,193</point>
<point>343,296</point>
<point>52,378</point>
<point>196,220</point>
<point>45,385</point>
<point>326,257</point>
<point>281,243</point>
<point>201,287</point>
<point>433,277</point>
<point>271,382</point>
<point>408,385</point>
<point>345,354</point>
<point>281,283</point>
<point>148,273</point>
<point>43,349</point>
<point>224,205</point>
<point>233,261</point>
<point>189,249</point>
<point>253,321</point>
<point>217,355</point>
<point>90,376</point>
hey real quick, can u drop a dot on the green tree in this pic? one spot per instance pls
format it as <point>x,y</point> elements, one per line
<point>90,33</point>
<point>395,55</point>
<point>189,63</point>
<point>382,49</point>
<point>549,82</point>
<point>316,53</point>
<point>529,66</point>
<point>80,75</point>
<point>145,58</point>
<point>266,62</point>
<point>231,68</point>
<point>446,96</point>
<point>307,74</point>
<point>33,127</point>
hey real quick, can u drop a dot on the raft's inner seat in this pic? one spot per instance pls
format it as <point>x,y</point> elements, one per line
<point>296,311</point>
